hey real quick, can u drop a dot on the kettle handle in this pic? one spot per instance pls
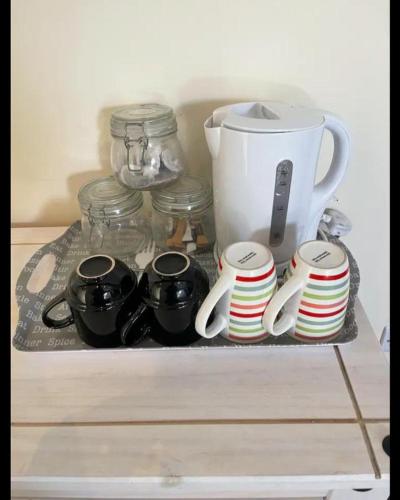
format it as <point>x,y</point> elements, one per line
<point>324,190</point>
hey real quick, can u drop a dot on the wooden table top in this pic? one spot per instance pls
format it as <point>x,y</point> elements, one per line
<point>181,424</point>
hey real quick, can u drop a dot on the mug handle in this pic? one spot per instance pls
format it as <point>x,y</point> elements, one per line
<point>131,322</point>
<point>290,288</point>
<point>222,285</point>
<point>56,323</point>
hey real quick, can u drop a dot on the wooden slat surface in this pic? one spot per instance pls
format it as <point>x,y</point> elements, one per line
<point>154,385</point>
<point>35,235</point>
<point>368,369</point>
<point>232,488</point>
<point>105,386</point>
<point>168,451</point>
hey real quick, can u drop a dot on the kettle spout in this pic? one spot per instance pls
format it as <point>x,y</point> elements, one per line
<point>213,135</point>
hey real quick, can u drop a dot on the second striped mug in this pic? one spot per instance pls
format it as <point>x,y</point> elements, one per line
<point>313,299</point>
<point>246,283</point>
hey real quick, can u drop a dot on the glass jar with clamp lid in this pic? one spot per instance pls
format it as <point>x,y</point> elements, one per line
<point>113,221</point>
<point>145,151</point>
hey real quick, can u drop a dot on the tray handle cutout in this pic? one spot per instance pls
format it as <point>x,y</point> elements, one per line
<point>42,273</point>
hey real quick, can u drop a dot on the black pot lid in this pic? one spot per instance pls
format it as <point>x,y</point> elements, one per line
<point>100,282</point>
<point>172,280</point>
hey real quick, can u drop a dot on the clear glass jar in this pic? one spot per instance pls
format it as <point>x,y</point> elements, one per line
<point>112,220</point>
<point>145,151</point>
<point>183,217</point>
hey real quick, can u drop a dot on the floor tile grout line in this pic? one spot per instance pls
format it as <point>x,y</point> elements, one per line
<point>358,412</point>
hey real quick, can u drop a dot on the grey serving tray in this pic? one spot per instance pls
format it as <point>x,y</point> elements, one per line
<point>32,335</point>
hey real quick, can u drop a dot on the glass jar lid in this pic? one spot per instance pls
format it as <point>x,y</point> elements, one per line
<point>150,120</point>
<point>188,194</point>
<point>105,197</point>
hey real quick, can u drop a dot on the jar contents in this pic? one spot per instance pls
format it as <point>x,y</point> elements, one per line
<point>112,220</point>
<point>145,151</point>
<point>183,218</point>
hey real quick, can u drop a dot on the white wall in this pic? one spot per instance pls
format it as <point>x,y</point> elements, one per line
<point>75,60</point>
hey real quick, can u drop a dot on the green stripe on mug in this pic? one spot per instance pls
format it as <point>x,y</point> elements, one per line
<point>311,322</point>
<point>325,297</point>
<point>254,288</point>
<point>330,287</point>
<point>246,330</point>
<point>252,297</point>
<point>319,330</point>
<point>241,323</point>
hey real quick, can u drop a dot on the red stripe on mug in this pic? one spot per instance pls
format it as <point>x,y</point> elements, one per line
<point>325,337</point>
<point>293,262</point>
<point>258,337</point>
<point>323,306</point>
<point>325,278</point>
<point>238,306</point>
<point>241,315</point>
<point>219,264</point>
<point>256,278</point>
<point>321,315</point>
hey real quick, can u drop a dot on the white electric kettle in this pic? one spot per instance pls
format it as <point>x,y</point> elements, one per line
<point>265,157</point>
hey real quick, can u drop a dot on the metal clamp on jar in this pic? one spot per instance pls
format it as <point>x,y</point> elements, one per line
<point>112,221</point>
<point>183,216</point>
<point>145,151</point>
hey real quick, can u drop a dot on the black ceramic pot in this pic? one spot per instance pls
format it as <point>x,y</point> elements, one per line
<point>172,288</point>
<point>102,295</point>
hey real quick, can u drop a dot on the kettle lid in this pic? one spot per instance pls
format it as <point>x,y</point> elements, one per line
<point>267,116</point>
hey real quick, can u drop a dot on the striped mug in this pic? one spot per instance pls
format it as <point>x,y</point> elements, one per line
<point>247,280</point>
<point>314,296</point>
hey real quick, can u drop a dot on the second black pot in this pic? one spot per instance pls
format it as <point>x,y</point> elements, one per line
<point>172,288</point>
